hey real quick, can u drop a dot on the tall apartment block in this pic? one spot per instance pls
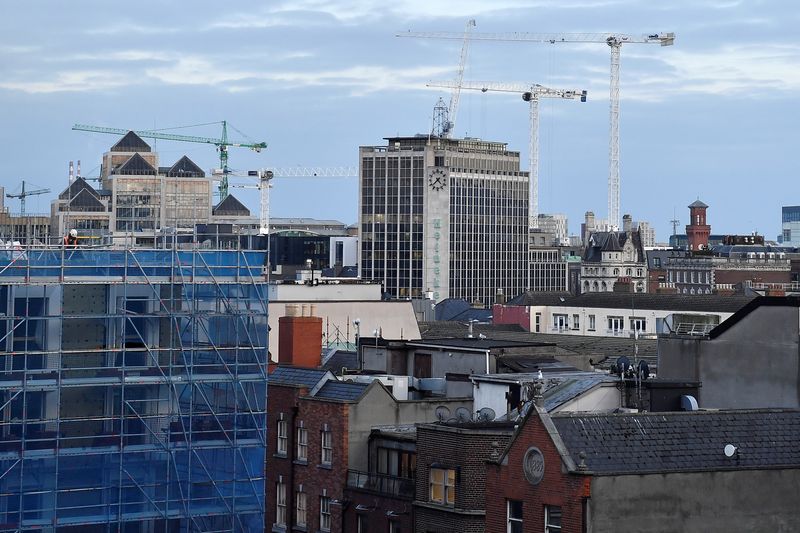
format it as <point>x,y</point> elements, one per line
<point>446,216</point>
<point>132,390</point>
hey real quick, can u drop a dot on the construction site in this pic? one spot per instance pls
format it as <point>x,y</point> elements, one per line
<point>132,389</point>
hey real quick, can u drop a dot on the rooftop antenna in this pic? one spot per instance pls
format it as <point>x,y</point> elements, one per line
<point>675,223</point>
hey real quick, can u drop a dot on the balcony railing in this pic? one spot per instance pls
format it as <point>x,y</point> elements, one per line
<point>389,485</point>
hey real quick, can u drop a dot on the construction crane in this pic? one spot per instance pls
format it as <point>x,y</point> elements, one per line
<point>221,143</point>
<point>615,42</point>
<point>444,117</point>
<point>24,194</point>
<point>530,93</point>
<point>265,177</point>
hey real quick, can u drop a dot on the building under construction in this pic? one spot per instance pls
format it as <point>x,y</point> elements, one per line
<point>132,390</point>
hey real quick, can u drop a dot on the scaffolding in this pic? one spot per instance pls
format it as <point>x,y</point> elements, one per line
<point>132,389</point>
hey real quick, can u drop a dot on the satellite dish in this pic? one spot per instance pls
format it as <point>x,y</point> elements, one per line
<point>486,414</point>
<point>730,450</point>
<point>463,414</point>
<point>442,413</point>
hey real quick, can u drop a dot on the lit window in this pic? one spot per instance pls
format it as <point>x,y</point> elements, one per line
<point>442,482</point>
<point>302,444</point>
<point>283,437</point>
<point>280,504</point>
<point>552,519</point>
<point>300,508</point>
<point>324,513</point>
<point>327,447</point>
<point>513,516</point>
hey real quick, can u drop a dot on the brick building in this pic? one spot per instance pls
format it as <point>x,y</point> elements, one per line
<point>647,472</point>
<point>451,474</point>
<point>319,429</point>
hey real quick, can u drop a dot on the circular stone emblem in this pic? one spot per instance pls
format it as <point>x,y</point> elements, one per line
<point>533,465</point>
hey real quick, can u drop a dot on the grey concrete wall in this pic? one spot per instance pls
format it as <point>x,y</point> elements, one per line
<point>747,500</point>
<point>378,408</point>
<point>756,363</point>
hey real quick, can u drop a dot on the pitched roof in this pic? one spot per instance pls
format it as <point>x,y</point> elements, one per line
<point>136,165</point>
<point>681,441</point>
<point>78,185</point>
<point>86,201</point>
<point>131,142</point>
<point>342,391</point>
<point>697,203</point>
<point>230,206</point>
<point>292,375</point>
<point>611,241</point>
<point>641,301</point>
<point>339,359</point>
<point>755,303</point>
<point>185,168</point>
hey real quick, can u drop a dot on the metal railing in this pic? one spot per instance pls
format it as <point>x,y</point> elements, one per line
<point>381,483</point>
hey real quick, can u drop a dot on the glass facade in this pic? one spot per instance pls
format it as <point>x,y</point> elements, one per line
<point>132,390</point>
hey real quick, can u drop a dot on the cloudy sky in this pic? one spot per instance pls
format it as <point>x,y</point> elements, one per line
<point>714,116</point>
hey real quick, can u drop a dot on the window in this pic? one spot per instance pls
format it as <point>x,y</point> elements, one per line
<point>559,322</point>
<point>616,324</point>
<point>397,463</point>
<point>280,504</point>
<point>324,513</point>
<point>361,524</point>
<point>552,519</point>
<point>576,322</point>
<point>283,437</point>
<point>538,322</point>
<point>300,508</point>
<point>591,322</point>
<point>513,516</point>
<point>394,527</point>
<point>327,447</point>
<point>443,483</point>
<point>638,324</point>
<point>302,443</point>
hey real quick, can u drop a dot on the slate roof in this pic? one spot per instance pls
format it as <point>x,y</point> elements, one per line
<point>340,359</point>
<point>644,301</point>
<point>611,241</point>
<point>474,343</point>
<point>342,391</point>
<point>681,441</point>
<point>131,142</point>
<point>231,206</point>
<point>86,201</point>
<point>136,165</point>
<point>185,167</point>
<point>572,387</point>
<point>697,203</point>
<point>541,298</point>
<point>289,375</point>
<point>75,188</point>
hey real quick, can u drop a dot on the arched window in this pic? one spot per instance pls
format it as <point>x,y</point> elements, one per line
<point>595,287</point>
<point>585,286</point>
<point>604,286</point>
<point>616,272</point>
<point>627,271</point>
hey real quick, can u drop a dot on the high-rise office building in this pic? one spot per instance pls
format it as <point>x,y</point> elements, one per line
<point>790,225</point>
<point>132,390</point>
<point>446,216</point>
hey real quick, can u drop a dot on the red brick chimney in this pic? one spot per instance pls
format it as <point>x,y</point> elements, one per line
<point>300,336</point>
<point>697,231</point>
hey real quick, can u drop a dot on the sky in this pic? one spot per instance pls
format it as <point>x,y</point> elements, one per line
<point>713,117</point>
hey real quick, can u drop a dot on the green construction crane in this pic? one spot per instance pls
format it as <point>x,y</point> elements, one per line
<point>222,145</point>
<point>24,194</point>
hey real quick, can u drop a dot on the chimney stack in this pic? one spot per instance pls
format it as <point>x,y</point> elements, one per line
<point>627,223</point>
<point>300,336</point>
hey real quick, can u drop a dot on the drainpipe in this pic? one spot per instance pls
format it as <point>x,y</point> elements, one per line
<point>290,503</point>
<point>488,371</point>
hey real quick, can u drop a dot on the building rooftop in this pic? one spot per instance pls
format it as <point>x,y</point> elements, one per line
<point>752,305</point>
<point>342,391</point>
<point>681,441</point>
<point>644,301</point>
<point>697,203</point>
<point>474,343</point>
<point>291,375</point>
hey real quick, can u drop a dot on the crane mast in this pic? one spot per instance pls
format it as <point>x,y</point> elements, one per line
<point>454,99</point>
<point>24,194</point>
<point>530,93</point>
<point>615,42</point>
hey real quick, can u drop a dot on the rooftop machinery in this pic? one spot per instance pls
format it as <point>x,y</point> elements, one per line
<point>530,93</point>
<point>615,42</point>
<point>222,144</point>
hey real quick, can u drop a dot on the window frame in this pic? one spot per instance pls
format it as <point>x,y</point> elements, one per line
<point>325,513</point>
<point>282,433</point>
<point>512,520</point>
<point>281,512</point>
<point>591,323</point>
<point>326,447</point>
<point>548,518</point>
<point>301,449</point>
<point>300,509</point>
<point>447,486</point>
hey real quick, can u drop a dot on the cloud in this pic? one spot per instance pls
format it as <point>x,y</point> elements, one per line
<point>71,81</point>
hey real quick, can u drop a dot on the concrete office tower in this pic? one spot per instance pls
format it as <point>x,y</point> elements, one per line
<point>445,215</point>
<point>133,390</point>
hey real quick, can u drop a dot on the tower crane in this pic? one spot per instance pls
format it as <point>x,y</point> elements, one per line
<point>445,116</point>
<point>530,93</point>
<point>24,194</point>
<point>221,143</point>
<point>615,42</point>
<point>265,177</point>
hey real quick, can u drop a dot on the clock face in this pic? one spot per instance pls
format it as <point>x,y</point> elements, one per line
<point>437,179</point>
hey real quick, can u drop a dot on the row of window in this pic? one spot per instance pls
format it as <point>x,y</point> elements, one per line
<point>594,271</point>
<point>300,508</point>
<point>301,441</point>
<point>515,518</point>
<point>616,324</point>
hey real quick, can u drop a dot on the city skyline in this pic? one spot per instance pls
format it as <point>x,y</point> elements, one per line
<point>709,117</point>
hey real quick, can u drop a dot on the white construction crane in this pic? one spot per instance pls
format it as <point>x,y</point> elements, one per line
<point>530,93</point>
<point>265,177</point>
<point>444,121</point>
<point>615,42</point>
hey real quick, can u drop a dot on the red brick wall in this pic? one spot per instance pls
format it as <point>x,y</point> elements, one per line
<point>512,314</point>
<point>724,277</point>
<point>508,481</point>
<point>375,519</point>
<point>300,340</point>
